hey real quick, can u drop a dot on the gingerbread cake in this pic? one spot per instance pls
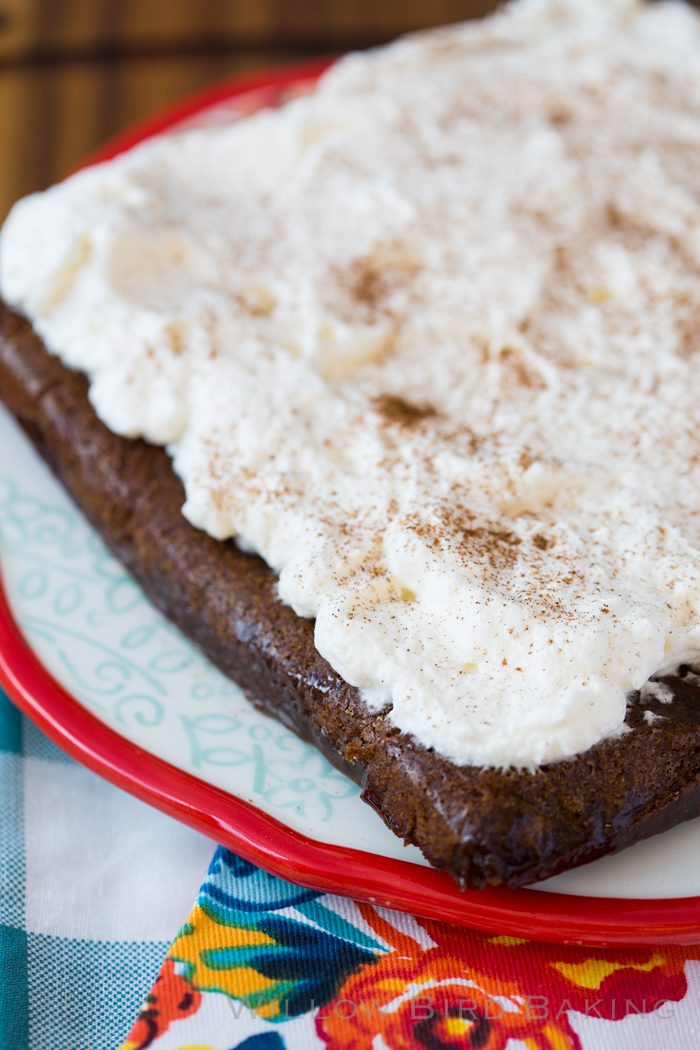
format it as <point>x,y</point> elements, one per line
<point>421,349</point>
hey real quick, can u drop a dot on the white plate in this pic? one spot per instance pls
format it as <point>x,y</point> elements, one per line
<point>91,626</point>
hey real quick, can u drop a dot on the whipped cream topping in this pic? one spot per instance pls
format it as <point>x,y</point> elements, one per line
<point>429,342</point>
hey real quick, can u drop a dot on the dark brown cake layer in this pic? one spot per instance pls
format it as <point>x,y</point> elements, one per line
<point>485,826</point>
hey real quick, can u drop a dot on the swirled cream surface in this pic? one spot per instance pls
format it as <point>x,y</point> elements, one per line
<point>428,341</point>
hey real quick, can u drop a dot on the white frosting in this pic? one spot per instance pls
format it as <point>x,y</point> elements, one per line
<point>656,691</point>
<point>650,718</point>
<point>497,223</point>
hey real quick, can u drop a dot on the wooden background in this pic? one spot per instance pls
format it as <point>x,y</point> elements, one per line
<point>73,72</point>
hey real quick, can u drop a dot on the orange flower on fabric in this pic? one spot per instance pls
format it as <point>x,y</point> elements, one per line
<point>478,991</point>
<point>171,999</point>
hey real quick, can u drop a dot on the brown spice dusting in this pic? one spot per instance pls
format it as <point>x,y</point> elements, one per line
<point>369,285</point>
<point>687,324</point>
<point>176,338</point>
<point>497,545</point>
<point>402,412</point>
<point>560,116</point>
<point>517,372</point>
<point>366,288</point>
<point>542,542</point>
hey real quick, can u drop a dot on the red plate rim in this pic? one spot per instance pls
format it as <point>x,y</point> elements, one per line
<point>260,838</point>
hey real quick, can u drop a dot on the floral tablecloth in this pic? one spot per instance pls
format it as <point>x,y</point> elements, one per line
<point>263,964</point>
<point>93,888</point>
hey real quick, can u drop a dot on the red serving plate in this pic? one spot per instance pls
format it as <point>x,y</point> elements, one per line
<point>255,835</point>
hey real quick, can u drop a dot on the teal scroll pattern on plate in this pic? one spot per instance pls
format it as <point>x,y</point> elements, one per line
<point>106,643</point>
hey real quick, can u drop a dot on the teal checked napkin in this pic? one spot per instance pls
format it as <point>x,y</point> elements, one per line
<point>93,886</point>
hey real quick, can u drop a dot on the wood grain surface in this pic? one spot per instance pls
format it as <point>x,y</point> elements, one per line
<point>73,72</point>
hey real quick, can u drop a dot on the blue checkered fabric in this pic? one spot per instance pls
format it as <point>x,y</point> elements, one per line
<point>93,887</point>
